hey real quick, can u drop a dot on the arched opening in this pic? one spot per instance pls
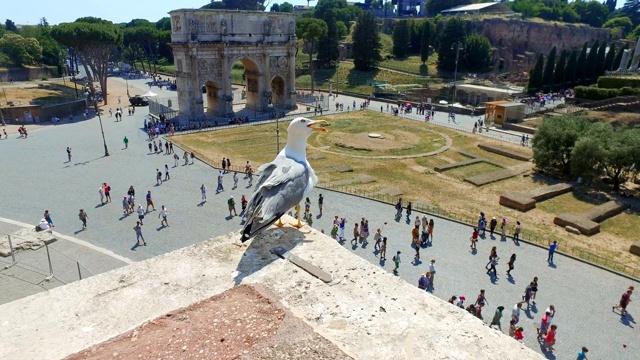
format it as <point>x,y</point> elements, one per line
<point>277,92</point>
<point>245,86</point>
<point>213,97</point>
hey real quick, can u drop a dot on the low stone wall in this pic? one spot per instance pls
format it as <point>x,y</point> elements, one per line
<point>504,152</point>
<point>518,128</point>
<point>488,178</point>
<point>635,248</point>
<point>589,221</point>
<point>442,168</point>
<point>527,201</point>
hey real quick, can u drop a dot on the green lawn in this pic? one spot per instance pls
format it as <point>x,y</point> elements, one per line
<point>464,172</point>
<point>571,202</point>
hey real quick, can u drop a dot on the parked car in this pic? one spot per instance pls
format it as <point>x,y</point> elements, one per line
<point>139,101</point>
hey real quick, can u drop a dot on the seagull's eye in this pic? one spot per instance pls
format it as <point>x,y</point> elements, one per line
<point>301,120</point>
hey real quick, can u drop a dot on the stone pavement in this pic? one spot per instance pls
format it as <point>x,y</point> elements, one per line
<point>40,178</point>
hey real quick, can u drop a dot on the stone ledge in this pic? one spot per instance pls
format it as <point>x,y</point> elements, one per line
<point>443,168</point>
<point>527,200</point>
<point>635,248</point>
<point>488,178</point>
<point>589,221</point>
<point>73,317</point>
<point>504,152</point>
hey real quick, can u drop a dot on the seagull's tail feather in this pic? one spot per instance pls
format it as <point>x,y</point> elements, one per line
<point>255,226</point>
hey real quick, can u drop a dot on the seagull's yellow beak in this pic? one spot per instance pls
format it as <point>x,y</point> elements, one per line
<point>318,126</point>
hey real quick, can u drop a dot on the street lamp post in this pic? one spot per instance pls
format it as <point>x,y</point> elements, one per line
<point>106,151</point>
<point>126,80</point>
<point>457,47</point>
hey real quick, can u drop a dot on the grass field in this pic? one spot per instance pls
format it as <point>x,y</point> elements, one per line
<point>570,202</point>
<point>415,176</point>
<point>45,93</point>
<point>412,64</point>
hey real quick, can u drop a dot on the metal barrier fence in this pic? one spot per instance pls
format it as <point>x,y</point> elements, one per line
<point>525,235</point>
<point>33,268</point>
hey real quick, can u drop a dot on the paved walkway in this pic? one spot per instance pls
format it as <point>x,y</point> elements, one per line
<point>41,178</point>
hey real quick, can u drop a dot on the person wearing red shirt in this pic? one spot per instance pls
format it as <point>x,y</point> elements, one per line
<point>550,339</point>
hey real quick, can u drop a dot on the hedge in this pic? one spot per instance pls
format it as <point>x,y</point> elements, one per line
<point>594,93</point>
<point>608,82</point>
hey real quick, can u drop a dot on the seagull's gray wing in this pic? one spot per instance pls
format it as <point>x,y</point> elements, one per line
<point>280,187</point>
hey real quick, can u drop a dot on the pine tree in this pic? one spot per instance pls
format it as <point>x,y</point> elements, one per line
<point>366,42</point>
<point>570,69</point>
<point>424,42</point>
<point>549,66</point>
<point>608,60</point>
<point>401,39</point>
<point>453,33</point>
<point>581,66</point>
<point>559,72</point>
<point>602,53</point>
<point>590,66</point>
<point>618,59</point>
<point>535,76</point>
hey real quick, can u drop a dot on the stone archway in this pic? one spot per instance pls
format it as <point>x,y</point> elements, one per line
<point>277,90</point>
<point>206,44</point>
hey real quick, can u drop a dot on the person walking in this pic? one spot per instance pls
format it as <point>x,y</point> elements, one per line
<point>228,162</point>
<point>69,153</point>
<point>383,249</point>
<point>512,261</point>
<point>47,217</point>
<point>158,177</point>
<point>186,158</point>
<point>166,172</point>
<point>582,354</point>
<point>550,339</point>
<point>126,142</point>
<point>140,212</point>
<point>82,215</point>
<point>149,202</point>
<point>516,232</point>
<point>474,238</point>
<point>163,213</point>
<point>138,230</point>
<point>396,262</point>
<point>432,272</point>
<point>415,242</point>
<point>250,177</point>
<point>492,266</point>
<point>481,301</point>
<point>552,251</point>
<point>176,158</point>
<point>320,202</point>
<point>232,206</point>
<point>224,165</point>
<point>409,212</point>
<point>125,205</point>
<point>625,299</point>
<point>431,224</point>
<point>526,298</point>
<point>101,193</point>
<point>150,148</point>
<point>243,205</point>
<point>494,253</point>
<point>220,187</point>
<point>515,313</point>
<point>356,235</point>
<point>399,208</point>
<point>235,180</point>
<point>377,237</point>
<point>107,191</point>
<point>503,229</point>
<point>492,225</point>
<point>497,317</point>
<point>203,191</point>
<point>343,224</point>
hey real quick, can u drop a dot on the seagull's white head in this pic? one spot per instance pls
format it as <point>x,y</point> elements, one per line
<point>303,127</point>
<point>297,135</point>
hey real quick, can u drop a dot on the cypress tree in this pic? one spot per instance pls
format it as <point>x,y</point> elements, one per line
<point>559,73</point>
<point>424,42</point>
<point>549,66</point>
<point>328,46</point>
<point>590,66</point>
<point>600,57</point>
<point>618,59</point>
<point>608,61</point>
<point>366,42</point>
<point>581,66</point>
<point>401,39</point>
<point>535,76</point>
<point>570,69</point>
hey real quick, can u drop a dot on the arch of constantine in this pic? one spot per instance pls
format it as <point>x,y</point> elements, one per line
<point>206,44</point>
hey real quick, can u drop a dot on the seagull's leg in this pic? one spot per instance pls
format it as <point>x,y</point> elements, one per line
<point>298,224</point>
<point>279,223</point>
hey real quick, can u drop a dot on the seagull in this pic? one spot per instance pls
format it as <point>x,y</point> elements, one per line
<point>285,181</point>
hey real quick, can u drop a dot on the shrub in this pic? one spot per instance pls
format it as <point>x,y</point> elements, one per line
<point>608,82</point>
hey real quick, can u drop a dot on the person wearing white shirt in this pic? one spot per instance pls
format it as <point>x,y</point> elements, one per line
<point>432,271</point>
<point>163,213</point>
<point>515,313</point>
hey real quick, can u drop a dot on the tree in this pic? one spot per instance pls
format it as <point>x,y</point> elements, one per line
<point>93,42</point>
<point>549,67</point>
<point>570,69</point>
<point>328,45</point>
<point>611,5</point>
<point>366,42</point>
<point>311,30</point>
<point>581,66</point>
<point>618,59</point>
<point>608,60</point>
<point>20,50</point>
<point>286,7</point>
<point>275,8</point>
<point>559,75</point>
<point>10,26</point>
<point>623,23</point>
<point>554,141</point>
<point>415,35</point>
<point>164,24</point>
<point>621,153</point>
<point>454,31</point>
<point>600,57</point>
<point>477,52</point>
<point>585,157</point>
<point>425,39</point>
<point>535,76</point>
<point>401,39</point>
<point>631,9</point>
<point>591,12</point>
<point>590,65</point>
